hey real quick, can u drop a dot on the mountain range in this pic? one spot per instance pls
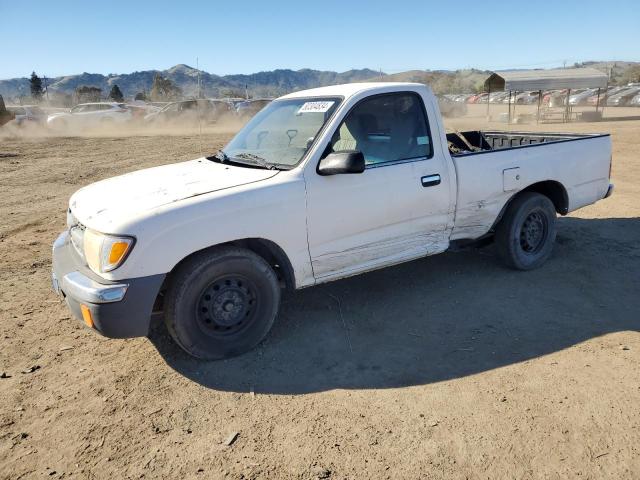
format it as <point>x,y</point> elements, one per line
<point>277,82</point>
<point>272,83</point>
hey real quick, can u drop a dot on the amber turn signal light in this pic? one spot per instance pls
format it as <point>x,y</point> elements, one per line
<point>86,315</point>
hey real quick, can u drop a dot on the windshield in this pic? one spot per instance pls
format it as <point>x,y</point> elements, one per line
<point>282,132</point>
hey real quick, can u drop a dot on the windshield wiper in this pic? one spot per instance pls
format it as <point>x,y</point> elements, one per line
<point>220,156</point>
<point>256,160</point>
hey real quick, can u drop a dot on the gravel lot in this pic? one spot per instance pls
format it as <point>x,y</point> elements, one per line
<point>447,367</point>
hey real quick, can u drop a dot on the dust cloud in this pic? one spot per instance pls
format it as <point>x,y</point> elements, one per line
<point>228,124</point>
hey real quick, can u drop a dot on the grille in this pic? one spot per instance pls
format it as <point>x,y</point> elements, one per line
<point>76,233</point>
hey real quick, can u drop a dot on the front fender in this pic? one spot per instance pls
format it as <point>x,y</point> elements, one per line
<point>274,212</point>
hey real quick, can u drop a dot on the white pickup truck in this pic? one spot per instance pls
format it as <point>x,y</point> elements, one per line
<point>319,185</point>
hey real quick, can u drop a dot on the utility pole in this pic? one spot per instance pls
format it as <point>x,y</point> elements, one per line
<point>46,90</point>
<point>199,86</point>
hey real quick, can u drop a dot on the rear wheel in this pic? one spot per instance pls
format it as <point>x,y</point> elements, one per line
<point>526,233</point>
<point>221,303</point>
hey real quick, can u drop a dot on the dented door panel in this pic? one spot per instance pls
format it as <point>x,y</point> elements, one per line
<point>380,217</point>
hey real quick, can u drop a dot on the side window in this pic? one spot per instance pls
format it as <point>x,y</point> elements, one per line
<point>385,128</point>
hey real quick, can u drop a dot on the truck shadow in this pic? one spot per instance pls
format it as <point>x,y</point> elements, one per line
<point>438,318</point>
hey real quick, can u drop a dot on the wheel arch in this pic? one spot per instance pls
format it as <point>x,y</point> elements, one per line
<point>267,249</point>
<point>274,255</point>
<point>552,189</point>
<point>555,191</point>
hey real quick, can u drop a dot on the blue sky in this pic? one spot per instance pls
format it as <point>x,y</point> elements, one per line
<point>67,37</point>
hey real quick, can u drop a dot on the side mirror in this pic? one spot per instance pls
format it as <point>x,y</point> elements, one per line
<point>344,161</point>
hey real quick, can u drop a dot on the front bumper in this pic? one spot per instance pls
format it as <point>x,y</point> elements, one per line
<point>119,309</point>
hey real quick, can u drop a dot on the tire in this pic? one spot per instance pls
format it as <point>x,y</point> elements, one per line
<point>221,303</point>
<point>527,231</point>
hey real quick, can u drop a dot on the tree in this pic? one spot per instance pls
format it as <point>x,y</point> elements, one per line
<point>5,115</point>
<point>140,96</point>
<point>36,87</point>
<point>232,92</point>
<point>164,89</point>
<point>116,94</point>
<point>86,94</point>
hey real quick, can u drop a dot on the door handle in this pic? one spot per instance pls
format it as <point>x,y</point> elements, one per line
<point>430,180</point>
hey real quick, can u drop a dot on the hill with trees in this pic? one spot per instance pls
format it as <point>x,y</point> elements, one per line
<point>185,81</point>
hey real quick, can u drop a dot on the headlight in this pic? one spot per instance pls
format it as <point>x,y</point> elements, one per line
<point>104,253</point>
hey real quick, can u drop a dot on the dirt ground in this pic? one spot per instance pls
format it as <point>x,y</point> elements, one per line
<point>450,367</point>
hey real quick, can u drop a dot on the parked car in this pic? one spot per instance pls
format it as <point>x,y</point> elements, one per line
<point>463,97</point>
<point>87,115</point>
<point>248,108</point>
<point>556,98</point>
<point>298,198</point>
<point>189,112</point>
<point>580,98</point>
<point>451,108</point>
<point>473,98</point>
<point>174,111</point>
<point>597,99</point>
<point>140,110</point>
<point>623,97</point>
<point>513,97</point>
<point>28,114</point>
<point>635,101</point>
<point>526,98</point>
<point>593,99</point>
<point>498,97</point>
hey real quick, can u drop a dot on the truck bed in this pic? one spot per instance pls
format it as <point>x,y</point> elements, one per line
<point>501,164</point>
<point>486,141</point>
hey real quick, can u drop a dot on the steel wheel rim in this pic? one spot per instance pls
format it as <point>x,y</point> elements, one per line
<point>533,232</point>
<point>227,306</point>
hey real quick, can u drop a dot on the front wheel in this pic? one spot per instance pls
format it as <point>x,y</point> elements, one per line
<point>527,231</point>
<point>221,303</point>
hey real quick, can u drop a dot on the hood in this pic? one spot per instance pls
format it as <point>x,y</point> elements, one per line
<point>105,204</point>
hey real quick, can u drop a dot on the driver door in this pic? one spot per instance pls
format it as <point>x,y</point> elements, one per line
<point>388,213</point>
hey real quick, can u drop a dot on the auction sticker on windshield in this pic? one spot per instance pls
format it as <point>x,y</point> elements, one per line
<point>315,107</point>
